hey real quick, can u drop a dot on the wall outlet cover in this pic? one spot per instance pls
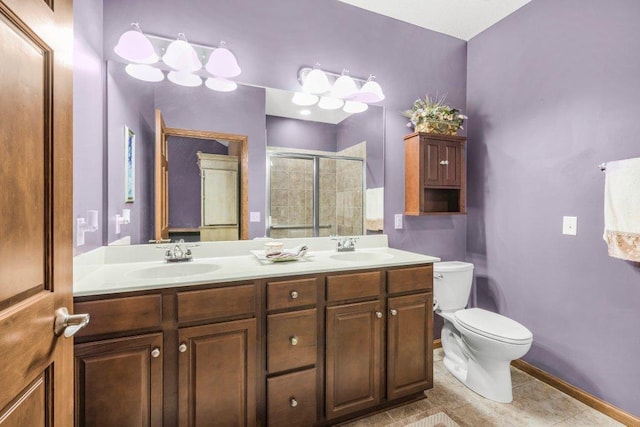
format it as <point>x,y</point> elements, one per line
<point>570,225</point>
<point>254,216</point>
<point>397,221</point>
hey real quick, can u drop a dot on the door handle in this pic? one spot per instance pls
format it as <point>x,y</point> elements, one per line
<point>69,324</point>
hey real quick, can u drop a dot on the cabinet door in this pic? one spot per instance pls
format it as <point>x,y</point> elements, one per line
<point>353,353</point>
<point>119,382</point>
<point>219,197</point>
<point>432,167</point>
<point>451,171</point>
<point>409,345</point>
<point>217,374</point>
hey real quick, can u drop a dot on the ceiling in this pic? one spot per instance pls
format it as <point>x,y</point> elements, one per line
<point>462,19</point>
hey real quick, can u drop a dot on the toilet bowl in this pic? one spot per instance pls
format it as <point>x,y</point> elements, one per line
<point>478,345</point>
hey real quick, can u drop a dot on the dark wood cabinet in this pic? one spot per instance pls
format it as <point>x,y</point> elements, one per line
<point>217,374</point>
<point>435,174</point>
<point>409,344</point>
<point>353,357</point>
<point>119,382</point>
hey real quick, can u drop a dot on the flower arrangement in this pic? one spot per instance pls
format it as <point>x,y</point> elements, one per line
<point>431,115</point>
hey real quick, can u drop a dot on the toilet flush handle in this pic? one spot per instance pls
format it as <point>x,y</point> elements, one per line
<point>435,305</point>
<point>438,276</point>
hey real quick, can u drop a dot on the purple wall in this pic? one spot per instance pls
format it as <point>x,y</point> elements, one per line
<point>273,39</point>
<point>88,120</point>
<point>185,186</point>
<point>130,104</point>
<point>552,92</point>
<point>301,134</point>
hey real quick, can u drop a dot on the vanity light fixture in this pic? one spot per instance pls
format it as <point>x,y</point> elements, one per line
<point>343,93</point>
<point>134,46</point>
<point>181,60</point>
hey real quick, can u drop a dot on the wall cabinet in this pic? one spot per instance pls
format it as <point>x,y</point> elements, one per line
<point>435,174</point>
<point>297,351</point>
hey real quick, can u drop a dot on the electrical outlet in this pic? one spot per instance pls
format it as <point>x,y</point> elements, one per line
<point>254,216</point>
<point>397,221</point>
<point>570,225</point>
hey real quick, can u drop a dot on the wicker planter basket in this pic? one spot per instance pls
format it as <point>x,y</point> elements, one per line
<point>437,126</point>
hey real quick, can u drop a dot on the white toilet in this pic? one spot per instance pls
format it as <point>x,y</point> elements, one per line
<point>478,345</point>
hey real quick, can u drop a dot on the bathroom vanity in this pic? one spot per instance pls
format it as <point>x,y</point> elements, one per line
<point>330,337</point>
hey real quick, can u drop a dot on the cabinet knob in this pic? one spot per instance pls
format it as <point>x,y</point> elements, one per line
<point>182,348</point>
<point>293,402</point>
<point>293,340</point>
<point>379,314</point>
<point>444,162</point>
<point>294,295</point>
<point>155,352</point>
<point>394,312</point>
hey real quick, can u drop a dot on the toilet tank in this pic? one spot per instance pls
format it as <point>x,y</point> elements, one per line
<point>452,284</point>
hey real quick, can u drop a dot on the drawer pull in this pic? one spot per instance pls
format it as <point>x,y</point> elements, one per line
<point>394,312</point>
<point>293,402</point>
<point>294,295</point>
<point>379,314</point>
<point>182,348</point>
<point>293,340</point>
<point>155,352</point>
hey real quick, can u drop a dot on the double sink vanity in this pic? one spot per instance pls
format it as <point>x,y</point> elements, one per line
<point>232,339</point>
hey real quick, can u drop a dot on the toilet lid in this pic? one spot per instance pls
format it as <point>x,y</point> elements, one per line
<point>493,325</point>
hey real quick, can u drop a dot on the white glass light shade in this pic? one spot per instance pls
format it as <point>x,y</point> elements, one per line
<point>370,92</point>
<point>223,63</point>
<point>144,72</point>
<point>354,107</point>
<point>220,84</point>
<point>134,46</point>
<point>344,87</point>
<point>330,103</point>
<point>316,82</point>
<point>304,99</point>
<point>305,112</point>
<point>184,78</point>
<point>181,56</point>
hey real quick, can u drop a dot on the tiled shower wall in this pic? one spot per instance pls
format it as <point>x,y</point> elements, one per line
<point>349,214</point>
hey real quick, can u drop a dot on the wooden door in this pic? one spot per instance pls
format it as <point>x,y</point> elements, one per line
<point>432,158</point>
<point>353,354</point>
<point>409,345</point>
<point>217,374</point>
<point>119,382</point>
<point>161,180</point>
<point>36,373</point>
<point>451,153</point>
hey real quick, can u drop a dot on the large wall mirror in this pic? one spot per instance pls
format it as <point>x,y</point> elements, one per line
<point>270,124</point>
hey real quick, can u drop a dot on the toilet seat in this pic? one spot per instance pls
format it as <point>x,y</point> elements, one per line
<point>493,326</point>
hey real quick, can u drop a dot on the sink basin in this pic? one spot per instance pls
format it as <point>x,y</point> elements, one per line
<point>172,271</point>
<point>361,256</point>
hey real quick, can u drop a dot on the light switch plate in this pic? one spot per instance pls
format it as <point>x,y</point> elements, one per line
<point>397,221</point>
<point>254,216</point>
<point>570,225</point>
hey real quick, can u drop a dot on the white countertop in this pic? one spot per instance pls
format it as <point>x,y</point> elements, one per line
<point>126,269</point>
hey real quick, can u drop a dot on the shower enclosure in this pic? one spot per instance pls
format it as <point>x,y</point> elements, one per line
<point>312,195</point>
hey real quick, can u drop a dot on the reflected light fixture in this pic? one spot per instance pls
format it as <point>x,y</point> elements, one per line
<point>181,56</point>
<point>352,107</point>
<point>305,112</point>
<point>370,92</point>
<point>144,72</point>
<point>134,46</point>
<point>330,103</point>
<point>184,78</point>
<point>304,99</point>
<point>221,84</point>
<point>316,81</point>
<point>223,63</point>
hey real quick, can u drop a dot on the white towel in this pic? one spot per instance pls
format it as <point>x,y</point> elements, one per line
<point>622,209</point>
<point>375,208</point>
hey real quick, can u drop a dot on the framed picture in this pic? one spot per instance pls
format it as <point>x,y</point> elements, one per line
<point>129,165</point>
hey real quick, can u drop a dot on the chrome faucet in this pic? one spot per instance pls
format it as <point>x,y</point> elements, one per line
<point>180,252</point>
<point>345,243</point>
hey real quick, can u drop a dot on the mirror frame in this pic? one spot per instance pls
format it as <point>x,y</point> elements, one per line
<point>241,141</point>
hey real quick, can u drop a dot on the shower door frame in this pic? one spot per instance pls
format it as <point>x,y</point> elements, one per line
<point>315,226</point>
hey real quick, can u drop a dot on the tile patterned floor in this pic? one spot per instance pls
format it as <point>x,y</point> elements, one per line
<point>534,404</point>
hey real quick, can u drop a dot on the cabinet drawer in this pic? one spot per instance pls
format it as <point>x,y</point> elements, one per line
<point>410,279</point>
<point>292,399</point>
<point>291,293</point>
<point>291,340</point>
<point>209,304</point>
<point>121,314</point>
<point>351,286</point>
